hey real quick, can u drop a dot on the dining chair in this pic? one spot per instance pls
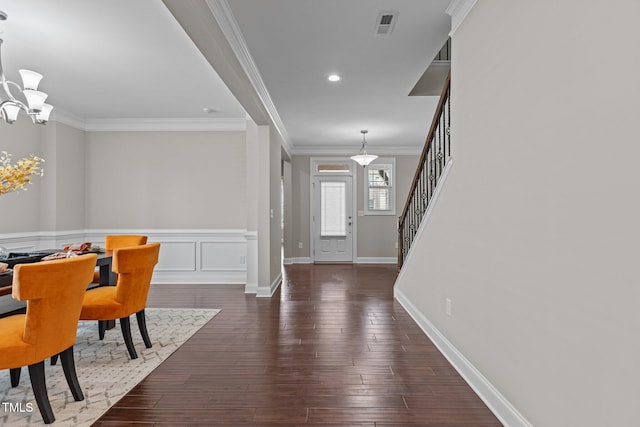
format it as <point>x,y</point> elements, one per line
<point>114,241</point>
<point>54,291</point>
<point>111,242</point>
<point>134,267</point>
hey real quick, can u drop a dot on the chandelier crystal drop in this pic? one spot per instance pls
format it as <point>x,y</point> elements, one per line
<point>31,100</point>
<point>362,158</point>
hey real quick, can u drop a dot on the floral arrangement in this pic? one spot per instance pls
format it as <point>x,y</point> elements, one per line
<point>15,177</point>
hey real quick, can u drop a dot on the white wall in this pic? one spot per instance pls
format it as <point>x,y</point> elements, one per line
<point>300,208</point>
<point>186,190</point>
<point>19,212</point>
<point>166,180</point>
<point>535,235</point>
<point>54,201</point>
<point>378,234</point>
<point>70,179</point>
<point>287,213</point>
<point>275,211</point>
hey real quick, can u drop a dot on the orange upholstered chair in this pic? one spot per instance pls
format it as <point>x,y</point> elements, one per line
<point>134,267</point>
<point>54,291</point>
<point>112,242</point>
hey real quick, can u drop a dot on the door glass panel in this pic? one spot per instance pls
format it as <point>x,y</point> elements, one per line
<point>332,209</point>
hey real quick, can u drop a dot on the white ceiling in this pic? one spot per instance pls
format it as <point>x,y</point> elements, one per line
<point>112,59</point>
<point>120,59</point>
<point>297,44</point>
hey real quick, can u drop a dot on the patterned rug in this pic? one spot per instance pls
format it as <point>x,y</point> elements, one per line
<point>104,369</point>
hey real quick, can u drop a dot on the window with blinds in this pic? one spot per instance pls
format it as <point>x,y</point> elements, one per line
<point>379,188</point>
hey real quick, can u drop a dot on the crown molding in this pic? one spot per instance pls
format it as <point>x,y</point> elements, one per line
<point>224,16</point>
<point>154,124</point>
<point>335,150</point>
<point>67,118</point>
<point>149,124</point>
<point>458,10</point>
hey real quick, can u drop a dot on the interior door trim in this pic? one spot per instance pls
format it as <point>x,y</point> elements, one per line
<point>313,161</point>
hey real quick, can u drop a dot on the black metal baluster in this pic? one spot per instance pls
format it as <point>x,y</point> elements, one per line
<point>434,159</point>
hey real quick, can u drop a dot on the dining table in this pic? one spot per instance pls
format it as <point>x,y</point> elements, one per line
<point>103,262</point>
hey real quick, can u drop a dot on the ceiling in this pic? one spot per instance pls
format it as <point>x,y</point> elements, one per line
<point>116,59</point>
<point>105,61</point>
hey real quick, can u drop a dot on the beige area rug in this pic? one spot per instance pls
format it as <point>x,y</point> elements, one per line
<point>104,369</point>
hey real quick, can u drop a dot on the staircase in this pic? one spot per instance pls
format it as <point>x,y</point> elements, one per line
<point>435,155</point>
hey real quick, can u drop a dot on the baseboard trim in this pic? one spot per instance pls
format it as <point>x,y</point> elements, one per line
<point>268,293</point>
<point>359,260</point>
<point>299,260</point>
<point>200,278</point>
<point>377,260</point>
<point>497,403</point>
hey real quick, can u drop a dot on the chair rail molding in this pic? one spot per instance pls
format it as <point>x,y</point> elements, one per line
<point>187,256</point>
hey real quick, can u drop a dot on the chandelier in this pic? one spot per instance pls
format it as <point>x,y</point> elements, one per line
<point>33,100</point>
<point>362,158</point>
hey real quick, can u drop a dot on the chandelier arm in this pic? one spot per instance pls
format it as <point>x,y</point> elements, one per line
<point>13,101</point>
<point>5,84</point>
<point>3,80</point>
<point>17,103</point>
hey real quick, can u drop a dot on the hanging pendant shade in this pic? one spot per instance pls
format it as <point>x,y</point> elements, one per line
<point>362,158</point>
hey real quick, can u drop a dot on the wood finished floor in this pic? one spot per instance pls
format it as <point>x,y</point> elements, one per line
<point>332,347</point>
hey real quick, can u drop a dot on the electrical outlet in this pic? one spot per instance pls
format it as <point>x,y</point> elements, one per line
<point>299,245</point>
<point>447,306</point>
<point>396,244</point>
<point>243,260</point>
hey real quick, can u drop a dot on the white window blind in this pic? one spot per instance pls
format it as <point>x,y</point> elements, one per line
<point>379,188</point>
<point>332,209</point>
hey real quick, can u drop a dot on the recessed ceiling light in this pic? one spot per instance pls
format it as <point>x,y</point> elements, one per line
<point>334,78</point>
<point>208,110</point>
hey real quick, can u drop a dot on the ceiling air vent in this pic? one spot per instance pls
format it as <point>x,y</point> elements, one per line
<point>385,23</point>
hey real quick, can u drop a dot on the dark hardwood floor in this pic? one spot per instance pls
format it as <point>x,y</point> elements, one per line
<point>332,347</point>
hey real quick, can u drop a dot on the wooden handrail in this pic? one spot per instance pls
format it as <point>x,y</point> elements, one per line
<point>434,125</point>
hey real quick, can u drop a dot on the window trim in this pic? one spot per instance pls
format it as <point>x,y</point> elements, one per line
<point>392,188</point>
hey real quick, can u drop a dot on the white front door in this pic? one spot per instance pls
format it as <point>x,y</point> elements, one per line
<point>332,219</point>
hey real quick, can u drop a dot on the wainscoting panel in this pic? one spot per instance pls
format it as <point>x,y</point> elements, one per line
<point>177,256</point>
<point>223,255</point>
<point>186,256</point>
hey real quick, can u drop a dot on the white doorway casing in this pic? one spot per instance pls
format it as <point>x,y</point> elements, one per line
<point>340,244</point>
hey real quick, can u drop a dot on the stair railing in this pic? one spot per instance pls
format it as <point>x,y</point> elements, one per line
<point>434,157</point>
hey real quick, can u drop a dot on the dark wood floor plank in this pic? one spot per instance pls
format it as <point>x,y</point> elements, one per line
<point>332,347</point>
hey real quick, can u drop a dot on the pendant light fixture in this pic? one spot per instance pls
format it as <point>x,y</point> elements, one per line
<point>33,100</point>
<point>362,158</point>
